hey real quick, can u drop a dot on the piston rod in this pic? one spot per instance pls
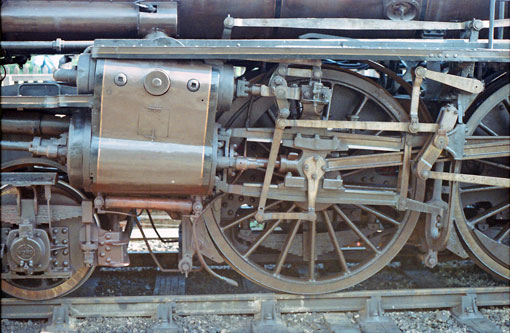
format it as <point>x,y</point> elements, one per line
<point>183,206</point>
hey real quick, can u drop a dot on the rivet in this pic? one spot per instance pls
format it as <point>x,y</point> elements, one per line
<point>64,241</point>
<point>64,230</point>
<point>108,237</point>
<point>65,252</point>
<point>102,254</point>
<point>108,248</point>
<point>108,259</point>
<point>55,231</point>
<point>101,243</point>
<point>65,263</point>
<point>55,263</point>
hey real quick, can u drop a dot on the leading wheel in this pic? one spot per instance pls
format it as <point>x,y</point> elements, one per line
<point>347,243</point>
<point>56,267</point>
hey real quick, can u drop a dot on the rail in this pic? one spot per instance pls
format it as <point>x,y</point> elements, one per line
<point>463,303</point>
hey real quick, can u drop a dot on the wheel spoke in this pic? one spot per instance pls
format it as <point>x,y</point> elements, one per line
<point>503,235</point>
<point>264,235</point>
<point>246,217</point>
<point>360,106</point>
<point>487,129</point>
<point>356,230</point>
<point>286,247</point>
<point>488,213</point>
<point>336,246</point>
<point>378,214</point>
<point>477,189</point>
<point>494,164</point>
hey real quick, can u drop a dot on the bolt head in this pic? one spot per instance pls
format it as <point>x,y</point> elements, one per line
<point>120,79</point>
<point>193,85</point>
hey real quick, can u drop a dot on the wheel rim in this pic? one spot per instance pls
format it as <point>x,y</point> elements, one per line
<point>337,230</point>
<point>41,289</point>
<point>482,212</point>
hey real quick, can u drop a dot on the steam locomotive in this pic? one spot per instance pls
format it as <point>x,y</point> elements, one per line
<point>303,143</point>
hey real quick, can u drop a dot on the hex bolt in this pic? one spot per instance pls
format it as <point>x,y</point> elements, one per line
<point>193,85</point>
<point>314,176</point>
<point>278,80</point>
<point>120,79</point>
<point>306,167</point>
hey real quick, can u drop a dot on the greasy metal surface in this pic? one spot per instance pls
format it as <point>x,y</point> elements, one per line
<point>132,306</point>
<point>145,141</point>
<point>77,20</point>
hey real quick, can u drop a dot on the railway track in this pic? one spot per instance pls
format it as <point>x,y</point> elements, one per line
<point>268,307</point>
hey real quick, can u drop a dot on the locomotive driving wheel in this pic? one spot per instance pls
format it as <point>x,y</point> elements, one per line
<point>482,213</point>
<point>56,266</point>
<point>347,243</point>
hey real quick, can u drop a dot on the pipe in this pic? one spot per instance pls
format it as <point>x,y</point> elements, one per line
<point>15,145</point>
<point>183,206</point>
<point>491,24</point>
<point>31,123</point>
<point>55,46</point>
<point>44,20</point>
<point>501,15</point>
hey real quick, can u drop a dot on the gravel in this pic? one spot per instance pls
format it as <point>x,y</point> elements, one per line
<point>141,281</point>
